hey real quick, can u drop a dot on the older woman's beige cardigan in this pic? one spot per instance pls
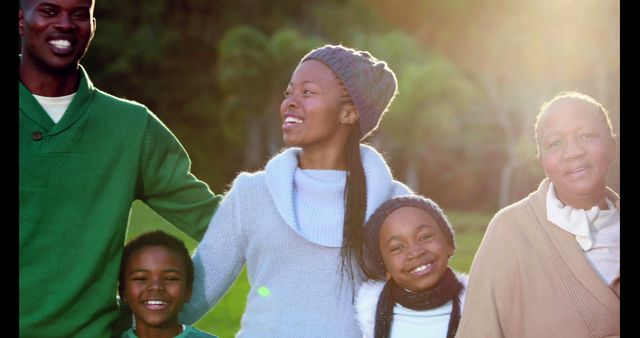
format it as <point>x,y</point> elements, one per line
<point>530,278</point>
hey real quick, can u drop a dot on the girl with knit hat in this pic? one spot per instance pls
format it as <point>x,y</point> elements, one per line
<point>412,291</point>
<point>298,223</point>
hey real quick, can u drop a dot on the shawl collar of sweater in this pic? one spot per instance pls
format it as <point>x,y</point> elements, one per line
<point>279,177</point>
<point>564,243</point>
<point>367,301</point>
<point>31,108</point>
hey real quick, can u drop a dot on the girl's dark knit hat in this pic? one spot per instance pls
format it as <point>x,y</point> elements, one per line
<point>371,84</point>
<point>374,266</point>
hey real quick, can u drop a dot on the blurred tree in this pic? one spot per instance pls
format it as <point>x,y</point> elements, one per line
<point>164,54</point>
<point>254,71</point>
<point>424,133</point>
<point>521,53</point>
<point>472,76</point>
<point>243,77</point>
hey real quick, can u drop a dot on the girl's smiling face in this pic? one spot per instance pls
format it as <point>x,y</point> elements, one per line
<point>414,250</point>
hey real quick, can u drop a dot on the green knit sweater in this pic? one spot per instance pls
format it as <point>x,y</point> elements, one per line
<point>78,179</point>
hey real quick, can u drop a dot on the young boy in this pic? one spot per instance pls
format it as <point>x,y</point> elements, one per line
<point>156,277</point>
<point>412,291</point>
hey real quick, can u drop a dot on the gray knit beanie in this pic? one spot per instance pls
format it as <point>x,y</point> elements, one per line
<point>374,266</point>
<point>371,84</point>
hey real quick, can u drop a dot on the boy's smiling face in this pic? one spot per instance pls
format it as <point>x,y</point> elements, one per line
<point>414,250</point>
<point>156,287</point>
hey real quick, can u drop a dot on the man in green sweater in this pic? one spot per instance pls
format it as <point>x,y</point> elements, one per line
<point>85,156</point>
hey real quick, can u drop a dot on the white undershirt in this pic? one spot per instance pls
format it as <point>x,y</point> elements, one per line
<point>597,232</point>
<point>431,323</point>
<point>55,106</point>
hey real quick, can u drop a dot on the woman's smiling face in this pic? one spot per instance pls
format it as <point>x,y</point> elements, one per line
<point>311,107</point>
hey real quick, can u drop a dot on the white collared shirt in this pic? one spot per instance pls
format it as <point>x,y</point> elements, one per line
<point>597,232</point>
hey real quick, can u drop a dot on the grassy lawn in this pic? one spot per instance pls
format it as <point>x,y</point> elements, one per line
<point>469,228</point>
<point>224,319</point>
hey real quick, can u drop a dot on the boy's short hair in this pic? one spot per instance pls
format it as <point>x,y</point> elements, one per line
<point>156,238</point>
<point>374,266</point>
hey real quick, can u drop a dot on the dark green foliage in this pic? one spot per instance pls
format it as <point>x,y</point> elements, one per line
<point>472,76</point>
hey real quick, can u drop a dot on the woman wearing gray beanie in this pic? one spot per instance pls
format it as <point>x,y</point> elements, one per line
<point>298,224</point>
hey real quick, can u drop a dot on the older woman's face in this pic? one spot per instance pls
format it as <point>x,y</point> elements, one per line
<point>576,150</point>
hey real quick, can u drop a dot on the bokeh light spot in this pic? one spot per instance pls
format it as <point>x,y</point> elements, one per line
<point>264,291</point>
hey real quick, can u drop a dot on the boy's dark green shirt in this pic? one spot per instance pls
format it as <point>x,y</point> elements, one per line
<point>78,179</point>
<point>188,332</point>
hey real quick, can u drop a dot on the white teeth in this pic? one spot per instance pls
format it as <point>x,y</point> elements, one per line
<point>61,43</point>
<point>421,268</point>
<point>291,119</point>
<point>155,302</point>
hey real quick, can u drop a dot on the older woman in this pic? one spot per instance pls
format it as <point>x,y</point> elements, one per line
<point>549,265</point>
